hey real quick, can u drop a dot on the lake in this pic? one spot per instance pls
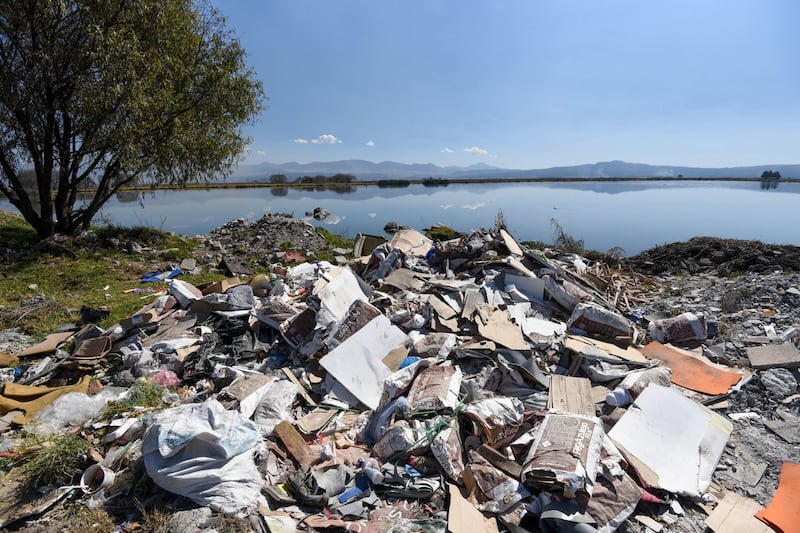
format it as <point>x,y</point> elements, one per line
<point>632,215</point>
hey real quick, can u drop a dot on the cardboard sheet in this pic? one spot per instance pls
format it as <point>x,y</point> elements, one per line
<point>736,513</point>
<point>501,330</point>
<point>411,242</point>
<point>357,363</point>
<point>463,517</point>
<point>691,372</point>
<point>783,512</point>
<point>672,441</point>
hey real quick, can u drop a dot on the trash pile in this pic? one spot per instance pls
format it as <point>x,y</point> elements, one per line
<point>467,385</point>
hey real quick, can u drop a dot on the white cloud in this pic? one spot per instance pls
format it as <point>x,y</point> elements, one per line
<point>447,150</point>
<point>300,141</point>
<point>476,151</point>
<point>258,153</point>
<point>473,206</point>
<point>326,138</point>
<point>370,143</point>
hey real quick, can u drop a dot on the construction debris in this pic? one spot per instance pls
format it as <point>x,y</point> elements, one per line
<point>466,385</point>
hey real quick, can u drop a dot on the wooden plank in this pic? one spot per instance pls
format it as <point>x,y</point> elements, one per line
<point>295,444</point>
<point>296,381</point>
<point>571,395</point>
<point>736,513</point>
<point>512,468</point>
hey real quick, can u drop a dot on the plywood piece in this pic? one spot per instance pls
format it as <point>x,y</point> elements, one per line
<point>690,372</point>
<point>512,468</point>
<point>606,351</point>
<point>510,243</point>
<point>571,395</point>
<point>784,355</point>
<point>736,513</point>
<point>294,443</point>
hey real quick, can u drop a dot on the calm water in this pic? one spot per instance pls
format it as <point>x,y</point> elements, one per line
<point>632,215</point>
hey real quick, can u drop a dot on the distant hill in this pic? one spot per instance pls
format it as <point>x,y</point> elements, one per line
<point>367,170</point>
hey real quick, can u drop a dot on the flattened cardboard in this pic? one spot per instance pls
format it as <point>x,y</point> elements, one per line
<point>736,513</point>
<point>463,517</point>
<point>220,286</point>
<point>691,372</point>
<point>501,330</point>
<point>783,513</point>
<point>675,464</point>
<point>48,345</point>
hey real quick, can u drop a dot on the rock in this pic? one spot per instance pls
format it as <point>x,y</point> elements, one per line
<point>133,247</point>
<point>189,520</point>
<point>779,382</point>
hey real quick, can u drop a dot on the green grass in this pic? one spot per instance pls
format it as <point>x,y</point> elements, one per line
<point>143,394</point>
<point>71,274</point>
<point>55,462</point>
<point>335,241</point>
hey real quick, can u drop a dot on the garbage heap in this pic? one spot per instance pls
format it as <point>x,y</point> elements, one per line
<point>470,385</point>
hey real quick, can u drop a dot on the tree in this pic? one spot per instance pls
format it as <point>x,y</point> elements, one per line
<point>99,94</point>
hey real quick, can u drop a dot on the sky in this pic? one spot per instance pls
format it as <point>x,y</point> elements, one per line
<point>524,83</point>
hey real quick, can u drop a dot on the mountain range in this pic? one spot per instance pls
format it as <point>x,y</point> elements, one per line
<point>368,170</point>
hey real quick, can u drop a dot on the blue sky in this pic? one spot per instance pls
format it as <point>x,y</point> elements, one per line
<point>524,83</point>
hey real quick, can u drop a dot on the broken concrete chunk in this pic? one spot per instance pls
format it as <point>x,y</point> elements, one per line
<point>784,355</point>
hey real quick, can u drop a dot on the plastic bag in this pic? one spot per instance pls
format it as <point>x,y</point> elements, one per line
<point>275,406</point>
<point>204,452</point>
<point>72,409</point>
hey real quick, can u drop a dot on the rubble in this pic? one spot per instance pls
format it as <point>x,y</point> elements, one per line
<point>465,385</point>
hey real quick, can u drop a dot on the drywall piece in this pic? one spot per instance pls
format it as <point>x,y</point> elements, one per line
<point>357,363</point>
<point>684,462</point>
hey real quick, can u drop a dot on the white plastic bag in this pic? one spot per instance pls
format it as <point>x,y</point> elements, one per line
<point>204,452</point>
